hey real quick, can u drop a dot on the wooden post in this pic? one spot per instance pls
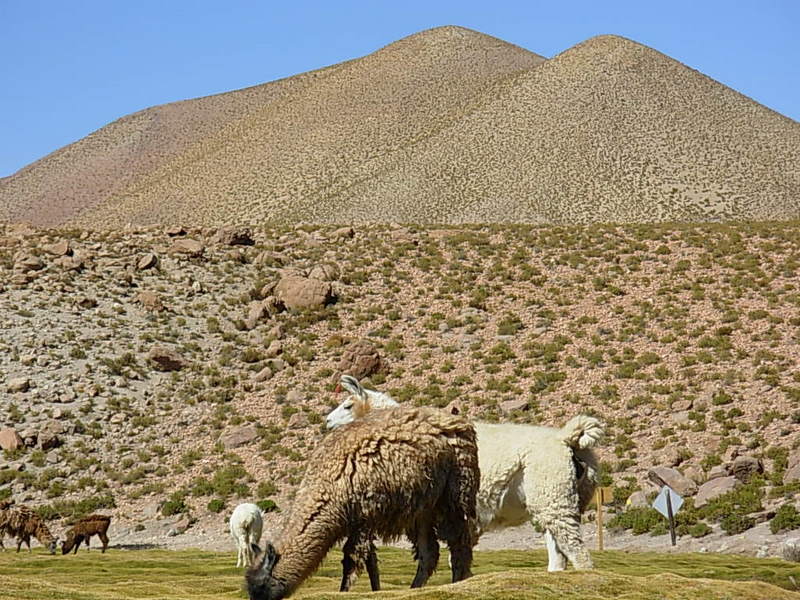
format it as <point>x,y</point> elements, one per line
<point>671,518</point>
<point>598,499</point>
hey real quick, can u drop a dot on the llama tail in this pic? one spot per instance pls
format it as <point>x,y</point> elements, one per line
<point>582,431</point>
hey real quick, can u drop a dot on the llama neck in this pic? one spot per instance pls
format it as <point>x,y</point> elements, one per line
<point>43,534</point>
<point>303,544</point>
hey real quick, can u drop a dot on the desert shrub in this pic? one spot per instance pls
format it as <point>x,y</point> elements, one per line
<point>267,506</point>
<point>699,529</point>
<point>639,520</point>
<point>216,505</point>
<point>786,519</point>
<point>175,505</point>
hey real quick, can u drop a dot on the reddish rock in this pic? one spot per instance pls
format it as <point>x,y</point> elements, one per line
<point>361,359</point>
<point>10,439</point>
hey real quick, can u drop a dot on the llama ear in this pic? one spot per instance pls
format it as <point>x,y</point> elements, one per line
<point>270,559</point>
<point>352,385</point>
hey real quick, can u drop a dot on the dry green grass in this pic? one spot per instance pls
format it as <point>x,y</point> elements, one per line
<point>505,574</point>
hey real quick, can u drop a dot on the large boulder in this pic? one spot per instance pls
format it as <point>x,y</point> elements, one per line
<point>361,359</point>
<point>187,247</point>
<point>241,436</point>
<point>166,359</point>
<point>229,236</point>
<point>744,467</point>
<point>714,488</point>
<point>297,292</point>
<point>10,440</point>
<point>674,479</point>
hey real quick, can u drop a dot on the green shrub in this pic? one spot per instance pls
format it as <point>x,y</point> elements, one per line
<point>639,520</point>
<point>786,519</point>
<point>175,505</point>
<point>216,505</point>
<point>699,529</point>
<point>267,506</point>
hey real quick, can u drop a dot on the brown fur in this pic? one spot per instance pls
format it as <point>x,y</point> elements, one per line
<point>411,471</point>
<point>21,522</point>
<point>4,531</point>
<point>84,529</point>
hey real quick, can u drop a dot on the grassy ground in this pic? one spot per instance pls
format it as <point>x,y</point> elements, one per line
<point>499,575</point>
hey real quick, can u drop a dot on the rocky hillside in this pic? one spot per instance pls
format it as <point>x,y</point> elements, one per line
<point>154,372</point>
<point>448,126</point>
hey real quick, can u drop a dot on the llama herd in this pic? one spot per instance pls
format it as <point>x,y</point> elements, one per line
<point>385,471</point>
<point>23,523</point>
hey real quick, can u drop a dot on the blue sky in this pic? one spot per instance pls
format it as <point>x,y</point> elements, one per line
<point>68,67</point>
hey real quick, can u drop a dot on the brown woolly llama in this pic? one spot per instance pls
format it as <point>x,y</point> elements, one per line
<point>411,471</point>
<point>84,529</point>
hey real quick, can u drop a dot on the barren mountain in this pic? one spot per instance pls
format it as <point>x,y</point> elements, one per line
<point>448,125</point>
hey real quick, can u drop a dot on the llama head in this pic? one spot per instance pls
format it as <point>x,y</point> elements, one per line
<point>68,543</point>
<point>357,404</point>
<point>261,585</point>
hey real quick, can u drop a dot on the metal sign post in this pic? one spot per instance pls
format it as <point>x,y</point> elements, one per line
<point>668,502</point>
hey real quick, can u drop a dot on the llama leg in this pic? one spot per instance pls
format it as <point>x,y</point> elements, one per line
<point>103,538</point>
<point>556,560</point>
<point>426,551</point>
<point>566,534</point>
<point>372,568</point>
<point>88,537</point>
<point>349,563</point>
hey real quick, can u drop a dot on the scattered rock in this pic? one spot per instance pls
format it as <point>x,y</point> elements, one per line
<point>10,440</point>
<point>241,436</point>
<point>228,236</point>
<point>60,248</point>
<point>255,313</point>
<point>343,233</point>
<point>28,262</point>
<point>175,231</point>
<point>744,467</point>
<point>361,359</point>
<point>18,384</point>
<point>166,359</point>
<point>511,405</point>
<point>148,261</point>
<point>674,479</point>
<point>714,488</point>
<point>297,292</point>
<point>325,272</point>
<point>150,301</point>
<point>187,247</point>
<point>637,499</point>
<point>718,471</point>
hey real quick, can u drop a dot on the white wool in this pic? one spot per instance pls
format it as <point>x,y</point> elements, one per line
<point>246,523</point>
<point>527,474</point>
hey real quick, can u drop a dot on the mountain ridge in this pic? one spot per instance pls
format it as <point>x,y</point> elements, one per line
<point>447,125</point>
